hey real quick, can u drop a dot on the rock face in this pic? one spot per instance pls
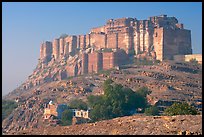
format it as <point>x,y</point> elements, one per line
<point>132,125</point>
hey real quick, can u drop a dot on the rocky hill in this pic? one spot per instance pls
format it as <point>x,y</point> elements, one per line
<point>169,82</point>
<point>131,125</point>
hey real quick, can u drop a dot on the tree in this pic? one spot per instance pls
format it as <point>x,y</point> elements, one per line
<point>117,101</point>
<point>94,100</point>
<point>67,117</point>
<point>180,109</point>
<point>78,104</point>
<point>151,111</point>
<point>100,112</point>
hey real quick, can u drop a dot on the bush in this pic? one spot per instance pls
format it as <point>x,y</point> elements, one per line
<point>67,117</point>
<point>152,111</point>
<point>78,104</point>
<point>180,109</point>
<point>193,61</point>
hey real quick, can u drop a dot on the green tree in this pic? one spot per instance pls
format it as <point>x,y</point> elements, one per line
<point>116,101</point>
<point>101,112</point>
<point>78,104</point>
<point>151,111</point>
<point>67,117</point>
<point>180,109</point>
<point>94,100</point>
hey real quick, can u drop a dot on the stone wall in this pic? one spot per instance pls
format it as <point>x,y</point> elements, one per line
<point>81,41</point>
<point>84,63</point>
<point>176,42</point>
<point>121,57</point>
<point>182,58</point>
<point>55,48</point>
<point>70,45</point>
<point>46,51</point>
<point>61,42</point>
<point>112,40</point>
<point>97,40</point>
<point>87,40</point>
<point>109,60</point>
<point>158,43</point>
<point>99,29</point>
<point>94,62</point>
<point>72,70</point>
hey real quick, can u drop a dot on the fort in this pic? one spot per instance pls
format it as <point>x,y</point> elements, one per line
<point>111,45</point>
<point>161,35</point>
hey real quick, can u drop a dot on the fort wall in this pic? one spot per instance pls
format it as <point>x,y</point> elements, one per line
<point>46,51</point>
<point>109,60</point>
<point>55,48</point>
<point>95,62</point>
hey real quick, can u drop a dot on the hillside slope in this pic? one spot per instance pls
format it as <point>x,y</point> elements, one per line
<point>130,125</point>
<point>168,81</point>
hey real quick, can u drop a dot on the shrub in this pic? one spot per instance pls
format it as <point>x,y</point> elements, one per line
<point>193,61</point>
<point>152,111</point>
<point>180,109</point>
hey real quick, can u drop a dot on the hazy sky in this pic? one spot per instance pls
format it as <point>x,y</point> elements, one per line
<point>26,25</point>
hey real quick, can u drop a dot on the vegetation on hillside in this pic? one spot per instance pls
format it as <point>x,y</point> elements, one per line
<point>180,109</point>
<point>152,111</point>
<point>78,104</point>
<point>193,61</point>
<point>66,117</point>
<point>7,107</point>
<point>117,101</point>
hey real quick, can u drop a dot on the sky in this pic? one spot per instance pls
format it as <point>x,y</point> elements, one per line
<point>25,25</point>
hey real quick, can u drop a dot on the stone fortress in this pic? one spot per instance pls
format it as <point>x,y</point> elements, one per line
<point>159,36</point>
<point>111,45</point>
